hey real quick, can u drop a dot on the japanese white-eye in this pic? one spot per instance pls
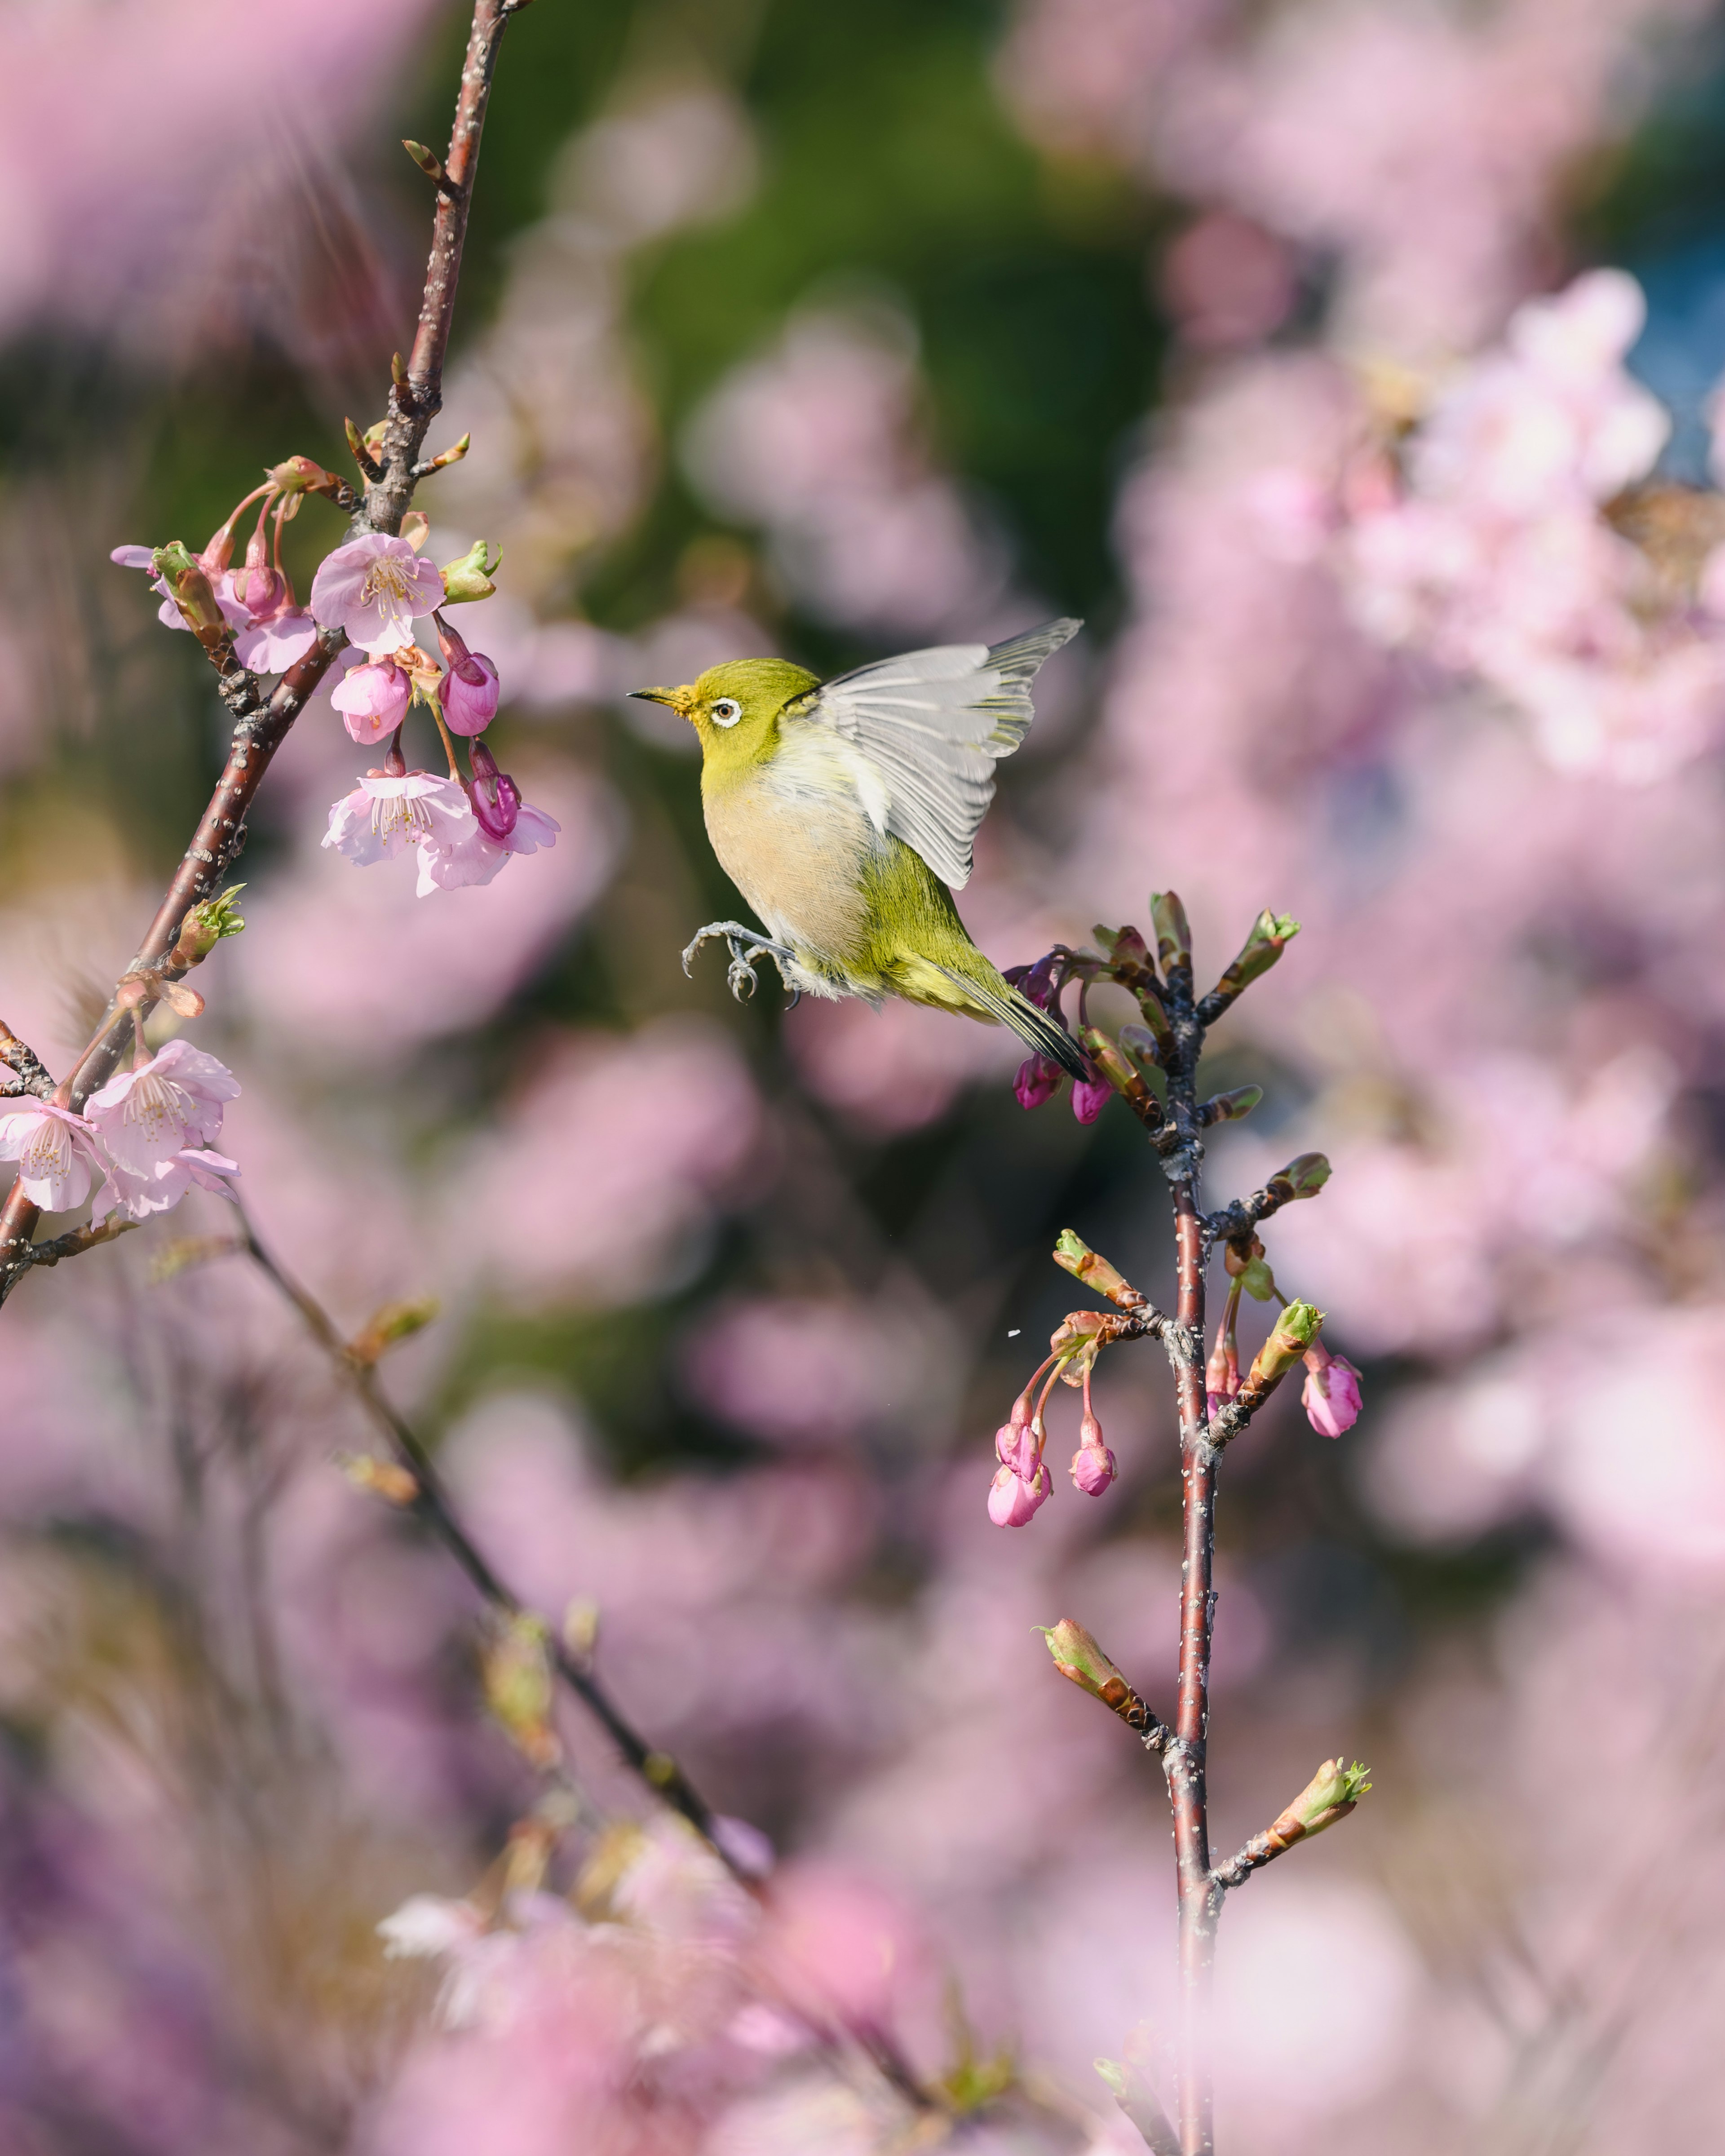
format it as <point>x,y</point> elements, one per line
<point>842,810</point>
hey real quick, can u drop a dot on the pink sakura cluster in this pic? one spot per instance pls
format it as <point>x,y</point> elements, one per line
<point>1502,540</point>
<point>1330,1395</point>
<point>372,591</point>
<point>147,1133</point>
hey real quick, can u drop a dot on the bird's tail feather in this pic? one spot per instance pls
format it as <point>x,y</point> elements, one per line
<point>1034,1027</point>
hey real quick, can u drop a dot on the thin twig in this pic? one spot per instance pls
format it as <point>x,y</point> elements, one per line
<point>260,724</point>
<point>26,1071</point>
<point>433,1505</point>
<point>76,1240</point>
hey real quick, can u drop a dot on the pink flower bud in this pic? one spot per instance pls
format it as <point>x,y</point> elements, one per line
<point>1012,1500</point>
<point>1093,1469</point>
<point>1330,1395</point>
<point>1090,1098</point>
<point>469,694</point>
<point>373,700</point>
<point>497,798</point>
<point>1037,1081</point>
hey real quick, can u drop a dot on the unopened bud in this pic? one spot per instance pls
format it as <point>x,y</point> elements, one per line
<point>1295,1329</point>
<point>1038,1079</point>
<point>1078,1658</point>
<point>1113,1064</point>
<point>1303,1177</point>
<point>1094,1466</point>
<point>1330,1796</point>
<point>580,1627</point>
<point>470,578</point>
<point>1142,1045</point>
<point>1271,934</point>
<point>358,448</point>
<point>398,369</point>
<point>452,455</point>
<point>299,475</point>
<point>205,925</point>
<point>1230,1107</point>
<point>192,592</point>
<point>1075,1257</point>
<point>515,1665</point>
<point>384,1328</point>
<point>382,1478</point>
<point>428,161</point>
<point>1251,1268</point>
<point>1173,935</point>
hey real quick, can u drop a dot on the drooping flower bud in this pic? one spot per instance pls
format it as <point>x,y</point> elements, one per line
<point>1173,934</point>
<point>1013,1502</point>
<point>1038,1079</point>
<point>372,699</point>
<point>1296,1329</point>
<point>469,691</point>
<point>1090,1097</point>
<point>497,798</point>
<point>1330,1395</point>
<point>470,578</point>
<point>1093,1464</point>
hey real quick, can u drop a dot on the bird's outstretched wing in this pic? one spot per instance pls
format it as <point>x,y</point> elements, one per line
<point>934,724</point>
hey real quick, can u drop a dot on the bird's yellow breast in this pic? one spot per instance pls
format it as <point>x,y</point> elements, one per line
<point>792,831</point>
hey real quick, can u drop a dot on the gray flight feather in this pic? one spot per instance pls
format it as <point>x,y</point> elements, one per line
<point>934,724</point>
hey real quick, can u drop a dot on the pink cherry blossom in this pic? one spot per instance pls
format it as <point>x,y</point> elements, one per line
<point>1090,1097</point>
<point>272,640</point>
<point>375,587</point>
<point>1330,1395</point>
<point>125,1190</point>
<point>385,814</point>
<point>56,1151</point>
<point>145,1116</point>
<point>1038,1079</point>
<point>502,824</point>
<point>469,694</point>
<point>373,700</point>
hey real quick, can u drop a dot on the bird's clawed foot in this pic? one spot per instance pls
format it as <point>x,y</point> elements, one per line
<point>748,947</point>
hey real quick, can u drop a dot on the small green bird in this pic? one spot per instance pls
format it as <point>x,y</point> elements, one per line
<point>841,810</point>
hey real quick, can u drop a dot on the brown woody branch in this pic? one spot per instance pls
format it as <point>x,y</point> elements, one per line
<point>261,723</point>
<point>432,1504</point>
<point>26,1071</point>
<point>76,1240</point>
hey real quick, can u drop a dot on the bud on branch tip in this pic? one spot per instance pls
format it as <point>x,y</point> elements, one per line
<point>1296,1329</point>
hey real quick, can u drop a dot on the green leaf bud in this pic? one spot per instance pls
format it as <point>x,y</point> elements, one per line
<point>1073,1254</point>
<point>1141,1045</point>
<point>1230,1107</point>
<point>1330,1796</point>
<point>205,925</point>
<point>1303,1177</point>
<point>1271,934</point>
<point>1296,1329</point>
<point>1173,935</point>
<point>470,578</point>
<point>386,1327</point>
<point>193,594</point>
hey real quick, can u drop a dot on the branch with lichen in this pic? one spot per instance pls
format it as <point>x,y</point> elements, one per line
<point>1153,1066</point>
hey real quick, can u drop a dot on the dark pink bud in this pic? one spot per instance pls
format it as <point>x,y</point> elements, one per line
<point>469,694</point>
<point>1093,1465</point>
<point>1090,1097</point>
<point>1038,1080</point>
<point>1330,1395</point>
<point>497,798</point>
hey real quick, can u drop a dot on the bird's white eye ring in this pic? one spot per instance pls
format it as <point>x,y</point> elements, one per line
<point>726,711</point>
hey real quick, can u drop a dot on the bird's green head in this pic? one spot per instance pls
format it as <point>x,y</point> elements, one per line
<point>735,708</point>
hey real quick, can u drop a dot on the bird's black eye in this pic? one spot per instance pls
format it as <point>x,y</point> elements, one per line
<point>726,711</point>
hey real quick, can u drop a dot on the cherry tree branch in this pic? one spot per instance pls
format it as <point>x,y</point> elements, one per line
<point>432,1504</point>
<point>261,722</point>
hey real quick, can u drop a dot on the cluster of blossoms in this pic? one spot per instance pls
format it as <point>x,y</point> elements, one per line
<point>372,591</point>
<point>147,1134</point>
<point>1514,538</point>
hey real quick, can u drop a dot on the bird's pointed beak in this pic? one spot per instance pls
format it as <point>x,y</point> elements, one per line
<point>680,700</point>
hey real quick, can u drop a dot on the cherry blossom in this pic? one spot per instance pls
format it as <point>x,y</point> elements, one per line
<point>375,587</point>
<point>388,812</point>
<point>147,1116</point>
<point>503,824</point>
<point>138,1195</point>
<point>56,1151</point>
